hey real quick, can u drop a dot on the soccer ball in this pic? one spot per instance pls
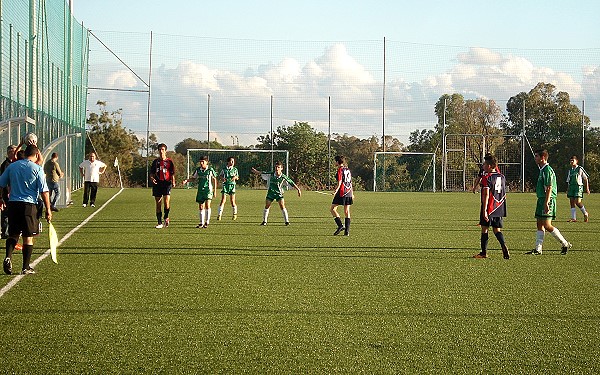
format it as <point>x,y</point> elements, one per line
<point>29,139</point>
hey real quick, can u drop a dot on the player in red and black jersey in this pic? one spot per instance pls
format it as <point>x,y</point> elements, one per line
<point>343,195</point>
<point>493,206</point>
<point>162,175</point>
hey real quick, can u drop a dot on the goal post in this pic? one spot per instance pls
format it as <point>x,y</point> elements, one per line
<point>404,171</point>
<point>464,155</point>
<point>245,160</point>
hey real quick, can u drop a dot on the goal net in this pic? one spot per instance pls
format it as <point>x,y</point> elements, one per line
<point>404,171</point>
<point>245,160</point>
<point>465,153</point>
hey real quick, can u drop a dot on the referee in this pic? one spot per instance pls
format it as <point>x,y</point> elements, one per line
<point>26,180</point>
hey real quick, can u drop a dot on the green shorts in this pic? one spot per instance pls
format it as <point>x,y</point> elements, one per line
<point>575,191</point>
<point>203,195</point>
<point>539,209</point>
<point>274,197</point>
<point>228,189</point>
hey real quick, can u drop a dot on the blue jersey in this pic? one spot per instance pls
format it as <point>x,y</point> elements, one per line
<point>26,180</point>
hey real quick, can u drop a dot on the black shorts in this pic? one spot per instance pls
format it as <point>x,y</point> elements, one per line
<point>23,219</point>
<point>342,201</point>
<point>161,188</point>
<point>494,222</point>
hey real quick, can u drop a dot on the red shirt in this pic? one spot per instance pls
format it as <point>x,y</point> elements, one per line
<point>163,170</point>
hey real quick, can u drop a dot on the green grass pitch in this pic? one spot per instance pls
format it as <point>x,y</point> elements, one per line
<point>400,295</point>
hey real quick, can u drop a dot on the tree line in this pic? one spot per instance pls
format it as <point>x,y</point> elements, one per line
<point>546,116</point>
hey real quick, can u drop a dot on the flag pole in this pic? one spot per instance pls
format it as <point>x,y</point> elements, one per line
<point>116,164</point>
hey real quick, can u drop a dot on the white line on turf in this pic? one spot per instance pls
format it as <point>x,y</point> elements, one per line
<point>18,278</point>
<point>322,192</point>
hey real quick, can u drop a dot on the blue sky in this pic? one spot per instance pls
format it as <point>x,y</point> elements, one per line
<point>256,49</point>
<point>488,23</point>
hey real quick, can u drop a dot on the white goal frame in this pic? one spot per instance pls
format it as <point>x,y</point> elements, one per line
<point>432,163</point>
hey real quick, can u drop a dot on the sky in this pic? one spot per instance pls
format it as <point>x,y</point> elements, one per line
<point>258,50</point>
<point>489,23</point>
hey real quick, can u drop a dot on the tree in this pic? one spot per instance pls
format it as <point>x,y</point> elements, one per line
<point>188,143</point>
<point>550,122</point>
<point>549,116</point>
<point>308,152</point>
<point>359,153</point>
<point>108,138</point>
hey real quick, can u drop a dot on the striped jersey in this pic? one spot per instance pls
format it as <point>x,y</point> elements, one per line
<point>575,176</point>
<point>163,170</point>
<point>204,177</point>
<point>494,185</point>
<point>344,175</point>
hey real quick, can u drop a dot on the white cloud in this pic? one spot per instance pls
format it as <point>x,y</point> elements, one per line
<point>122,79</point>
<point>487,74</point>
<point>240,102</point>
<point>480,56</point>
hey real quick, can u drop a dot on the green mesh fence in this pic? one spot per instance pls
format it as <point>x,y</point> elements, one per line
<point>43,81</point>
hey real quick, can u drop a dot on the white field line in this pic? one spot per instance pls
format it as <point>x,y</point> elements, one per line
<point>322,192</point>
<point>18,278</point>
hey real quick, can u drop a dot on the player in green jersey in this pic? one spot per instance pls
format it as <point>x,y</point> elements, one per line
<point>276,180</point>
<point>228,176</point>
<point>207,183</point>
<point>546,205</point>
<point>577,178</point>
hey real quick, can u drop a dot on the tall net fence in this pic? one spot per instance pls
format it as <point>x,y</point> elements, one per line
<point>236,90</point>
<point>464,159</point>
<point>43,81</point>
<point>404,171</point>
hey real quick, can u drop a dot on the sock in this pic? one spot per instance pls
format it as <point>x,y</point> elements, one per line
<point>10,246</point>
<point>265,214</point>
<point>539,240</point>
<point>159,217</point>
<point>338,221</point>
<point>347,226</point>
<point>573,213</point>
<point>220,211</point>
<point>167,210</point>
<point>286,217</point>
<point>583,210</point>
<point>201,215</point>
<point>27,251</point>
<point>208,211</point>
<point>500,238</point>
<point>484,242</point>
<point>556,234</point>
<point>235,210</point>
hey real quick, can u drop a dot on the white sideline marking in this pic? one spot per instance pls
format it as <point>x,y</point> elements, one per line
<point>322,192</point>
<point>18,278</point>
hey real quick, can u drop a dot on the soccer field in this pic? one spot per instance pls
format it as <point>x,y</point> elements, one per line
<point>402,294</point>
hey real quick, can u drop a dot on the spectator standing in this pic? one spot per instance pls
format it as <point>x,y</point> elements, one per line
<point>91,170</point>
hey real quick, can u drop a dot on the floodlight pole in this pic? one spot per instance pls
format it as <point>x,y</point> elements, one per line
<point>523,140</point>
<point>329,142</point>
<point>208,124</point>
<point>444,148</point>
<point>582,133</point>
<point>148,114</point>
<point>383,119</point>
<point>272,140</point>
